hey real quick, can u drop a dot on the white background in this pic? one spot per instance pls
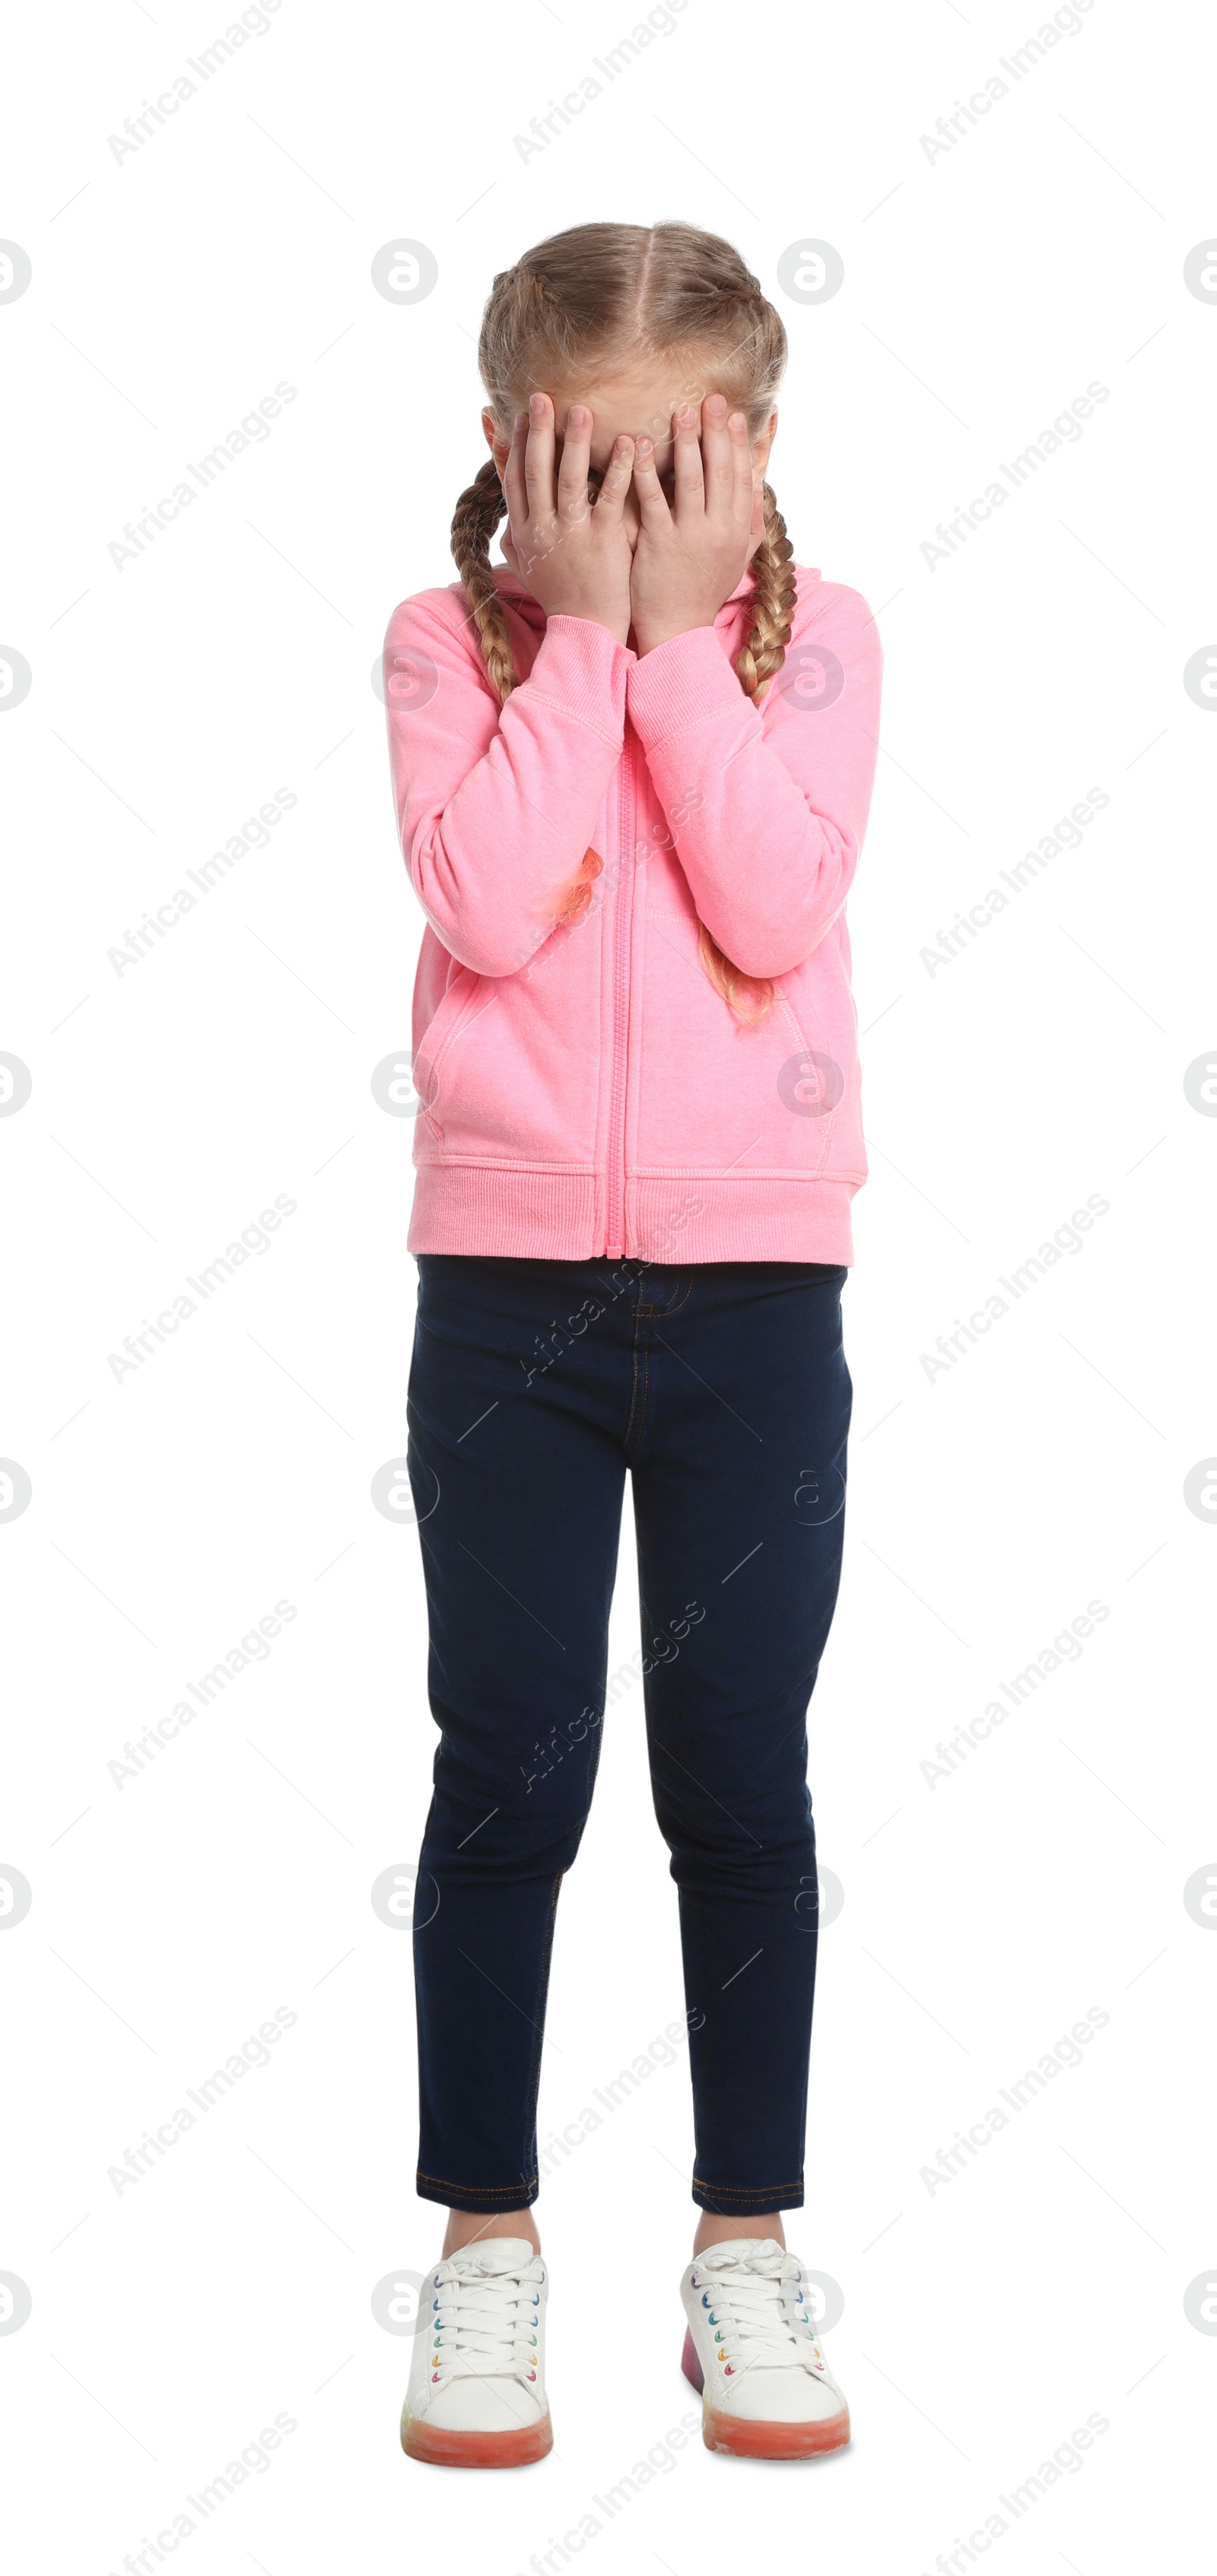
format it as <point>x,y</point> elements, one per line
<point>984,1914</point>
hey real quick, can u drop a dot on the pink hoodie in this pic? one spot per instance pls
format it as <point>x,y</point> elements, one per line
<point>585,1088</point>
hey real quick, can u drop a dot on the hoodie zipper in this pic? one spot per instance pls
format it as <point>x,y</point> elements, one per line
<point>622,923</point>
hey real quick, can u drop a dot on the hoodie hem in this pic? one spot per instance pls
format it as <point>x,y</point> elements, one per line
<point>506,1214</point>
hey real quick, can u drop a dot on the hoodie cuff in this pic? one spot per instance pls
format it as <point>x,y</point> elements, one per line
<point>581,668</point>
<point>683,684</point>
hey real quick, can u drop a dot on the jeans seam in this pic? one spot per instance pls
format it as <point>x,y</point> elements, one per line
<point>534,2076</point>
<point>639,1312</point>
<point>475,2190</point>
<point>729,2191</point>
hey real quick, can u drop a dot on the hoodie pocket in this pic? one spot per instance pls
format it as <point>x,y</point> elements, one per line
<point>440,1032</point>
<point>509,1069</point>
<point>719,1093</point>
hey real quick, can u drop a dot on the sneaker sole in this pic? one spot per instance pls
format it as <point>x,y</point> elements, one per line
<point>760,2440</point>
<point>445,2448</point>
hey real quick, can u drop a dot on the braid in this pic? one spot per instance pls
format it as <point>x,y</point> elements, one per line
<point>763,651</point>
<point>475,519</point>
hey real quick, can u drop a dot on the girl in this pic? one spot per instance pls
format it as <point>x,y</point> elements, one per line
<point>632,769</point>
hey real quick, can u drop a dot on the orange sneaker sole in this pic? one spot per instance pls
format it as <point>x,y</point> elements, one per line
<point>443,2448</point>
<point>761,2440</point>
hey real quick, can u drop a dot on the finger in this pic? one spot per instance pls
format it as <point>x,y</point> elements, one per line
<point>513,480</point>
<point>718,463</point>
<point>539,457</point>
<point>573,463</point>
<point>652,505</point>
<point>741,469</point>
<point>615,483</point>
<point>690,493</point>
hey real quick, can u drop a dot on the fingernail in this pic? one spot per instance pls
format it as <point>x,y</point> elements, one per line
<point>576,417</point>
<point>536,405</point>
<point>521,420</point>
<point>717,404</point>
<point>643,447</point>
<point>686,415</point>
<point>737,421</point>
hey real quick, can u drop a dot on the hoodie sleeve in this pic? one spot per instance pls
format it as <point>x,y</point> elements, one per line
<point>496,805</point>
<point>773,801</point>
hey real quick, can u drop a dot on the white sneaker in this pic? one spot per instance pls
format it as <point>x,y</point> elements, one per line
<point>476,2398</point>
<point>752,2350</point>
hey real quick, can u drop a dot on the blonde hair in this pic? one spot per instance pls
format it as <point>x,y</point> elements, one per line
<point>610,292</point>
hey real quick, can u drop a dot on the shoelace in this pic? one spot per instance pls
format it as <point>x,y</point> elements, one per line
<point>756,2305</point>
<point>483,2316</point>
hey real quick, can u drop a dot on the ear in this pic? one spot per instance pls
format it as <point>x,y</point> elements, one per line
<point>500,447</point>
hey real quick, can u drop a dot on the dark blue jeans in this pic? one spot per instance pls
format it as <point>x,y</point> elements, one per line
<point>723,1387</point>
